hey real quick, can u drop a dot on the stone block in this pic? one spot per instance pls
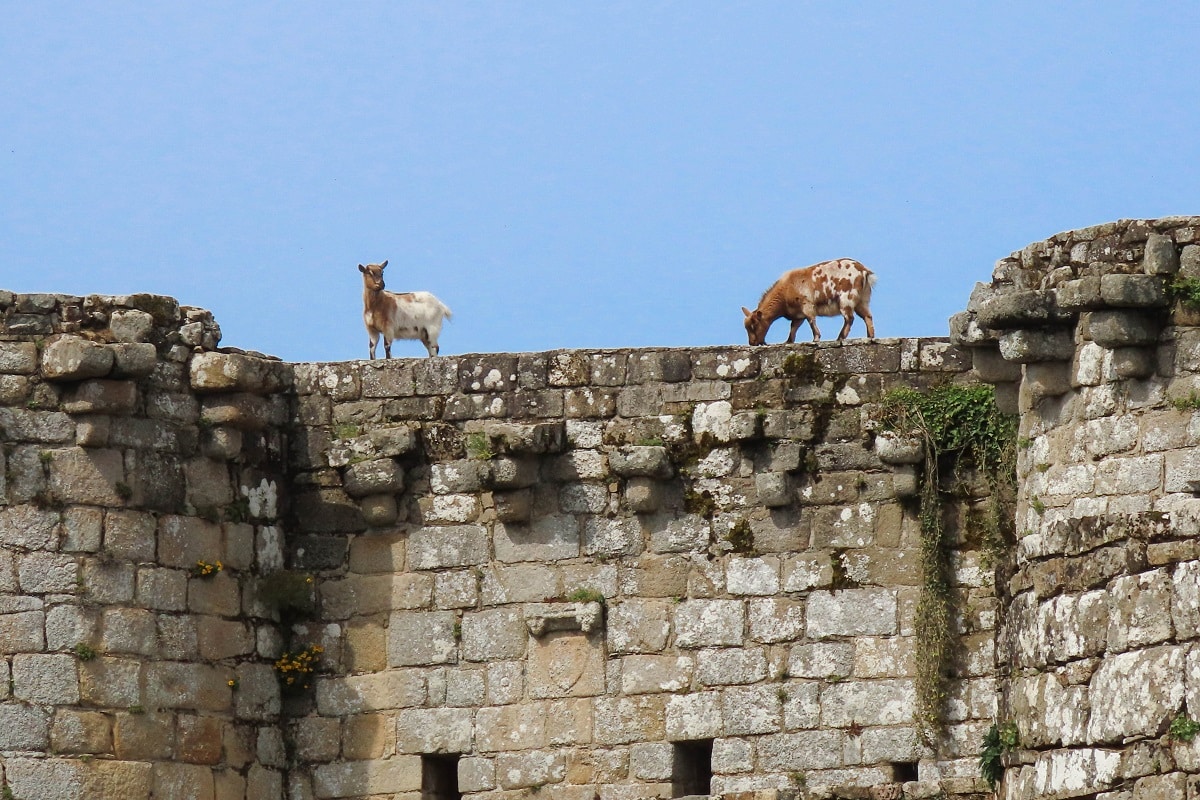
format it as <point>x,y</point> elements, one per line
<point>401,773</point>
<point>751,710</point>
<point>23,727</point>
<point>641,461</point>
<point>18,358</point>
<point>358,694</point>
<point>215,594</point>
<point>379,510</point>
<point>649,674</point>
<point>824,660</point>
<point>449,508</point>
<point>1114,329</point>
<point>546,539</point>
<point>434,730</point>
<point>379,476</point>
<point>1132,693</point>
<point>612,537</point>
<point>234,372</point>
<point>448,546</point>
<point>26,527</point>
<point>530,768</point>
<point>72,359</point>
<point>110,682</point>
<point>511,727</point>
<point>133,359</point>
<point>773,489</point>
<point>709,623</point>
<point>197,687</point>
<point>730,666</point>
<point>101,397</point>
<point>494,634</point>
<point>89,476</point>
<point>752,576</point>
<point>686,534</point>
<point>476,774</point>
<point>694,716</point>
<point>82,528</point>
<point>1160,257</point>
<point>79,732</point>
<point>1021,309</point>
<point>1031,346</point>
<point>23,631</point>
<point>774,620</point>
<point>130,535</point>
<point>852,612</point>
<point>423,637</point>
<point>45,679</point>
<point>638,626</point>
<point>1133,291</point>
<point>624,720</point>
<point>520,583</point>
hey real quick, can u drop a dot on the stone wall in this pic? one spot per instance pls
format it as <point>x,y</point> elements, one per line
<point>580,572</point>
<point>125,673</point>
<point>757,562</point>
<point>1097,651</point>
<point>597,574</point>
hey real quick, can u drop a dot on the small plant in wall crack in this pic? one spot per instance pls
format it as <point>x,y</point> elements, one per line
<point>205,569</point>
<point>1000,739</point>
<point>479,446</point>
<point>296,668</point>
<point>1184,728</point>
<point>84,652</point>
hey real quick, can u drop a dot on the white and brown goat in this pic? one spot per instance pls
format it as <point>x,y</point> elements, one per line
<point>841,287</point>
<point>399,315</point>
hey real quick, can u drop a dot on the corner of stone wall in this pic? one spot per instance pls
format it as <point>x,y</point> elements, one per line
<point>1094,646</point>
<point>140,476</point>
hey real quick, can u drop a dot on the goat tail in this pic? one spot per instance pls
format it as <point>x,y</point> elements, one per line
<point>446,312</point>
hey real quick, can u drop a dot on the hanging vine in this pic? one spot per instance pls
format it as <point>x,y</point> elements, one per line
<point>959,427</point>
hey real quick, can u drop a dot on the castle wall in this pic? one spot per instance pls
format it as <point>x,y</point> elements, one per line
<point>757,562</point>
<point>600,574</point>
<point>125,672</point>
<point>1098,648</point>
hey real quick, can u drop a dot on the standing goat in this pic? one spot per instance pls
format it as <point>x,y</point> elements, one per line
<point>399,315</point>
<point>829,289</point>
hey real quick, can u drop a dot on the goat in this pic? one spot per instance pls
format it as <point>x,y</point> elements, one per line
<point>829,289</point>
<point>399,315</point>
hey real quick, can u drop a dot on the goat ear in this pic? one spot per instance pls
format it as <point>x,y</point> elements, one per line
<point>384,264</point>
<point>361,268</point>
<point>746,311</point>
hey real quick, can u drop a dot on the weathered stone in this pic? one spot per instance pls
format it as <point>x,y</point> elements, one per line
<point>1030,346</point>
<point>708,623</point>
<point>852,612</point>
<point>416,637</point>
<point>1133,693</point>
<point>1161,257</point>
<point>1018,310</point>
<point>72,359</point>
<point>1133,291</point>
<point>380,476</point>
<point>1114,329</point>
<point>232,372</point>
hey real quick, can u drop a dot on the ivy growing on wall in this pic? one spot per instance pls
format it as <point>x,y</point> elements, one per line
<point>959,428</point>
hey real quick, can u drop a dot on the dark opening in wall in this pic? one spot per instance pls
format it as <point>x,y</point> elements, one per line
<point>439,778</point>
<point>903,771</point>
<point>691,772</point>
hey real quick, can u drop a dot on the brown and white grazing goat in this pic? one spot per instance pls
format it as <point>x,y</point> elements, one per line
<point>399,315</point>
<point>829,289</point>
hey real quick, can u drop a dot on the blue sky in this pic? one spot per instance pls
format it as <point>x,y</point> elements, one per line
<point>573,174</point>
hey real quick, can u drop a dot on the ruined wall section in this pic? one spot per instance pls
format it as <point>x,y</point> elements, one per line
<point>132,451</point>
<point>554,567</point>
<point>1098,651</point>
